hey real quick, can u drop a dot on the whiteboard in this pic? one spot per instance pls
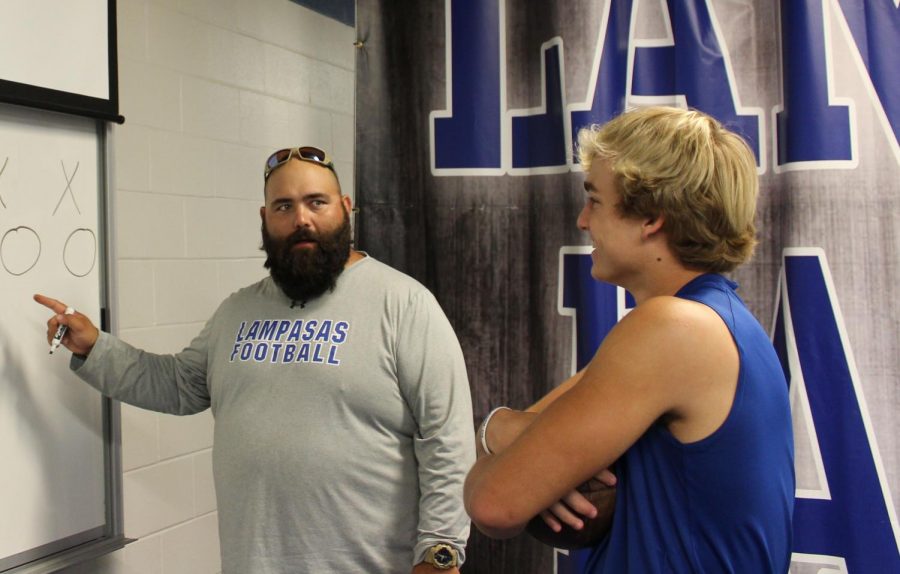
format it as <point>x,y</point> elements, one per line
<point>53,487</point>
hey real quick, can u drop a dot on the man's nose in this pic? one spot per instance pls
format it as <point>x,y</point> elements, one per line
<point>302,216</point>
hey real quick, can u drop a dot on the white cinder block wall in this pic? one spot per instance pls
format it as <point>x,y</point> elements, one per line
<point>208,88</point>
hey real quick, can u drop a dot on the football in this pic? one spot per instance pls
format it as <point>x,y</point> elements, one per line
<point>601,496</point>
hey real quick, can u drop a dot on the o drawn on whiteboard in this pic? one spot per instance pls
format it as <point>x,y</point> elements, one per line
<point>68,187</point>
<point>15,251</point>
<point>2,169</point>
<point>77,260</point>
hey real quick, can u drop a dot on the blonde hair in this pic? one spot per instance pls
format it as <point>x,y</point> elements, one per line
<point>685,166</point>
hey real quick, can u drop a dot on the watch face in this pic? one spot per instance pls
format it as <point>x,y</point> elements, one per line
<point>443,557</point>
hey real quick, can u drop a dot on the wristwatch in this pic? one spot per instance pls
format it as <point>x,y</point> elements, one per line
<point>442,557</point>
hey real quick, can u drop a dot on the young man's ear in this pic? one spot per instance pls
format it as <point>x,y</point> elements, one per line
<point>262,212</point>
<point>652,226</point>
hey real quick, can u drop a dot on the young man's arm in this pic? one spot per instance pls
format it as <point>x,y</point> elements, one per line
<point>573,507</point>
<point>559,391</point>
<point>668,357</point>
<point>507,424</point>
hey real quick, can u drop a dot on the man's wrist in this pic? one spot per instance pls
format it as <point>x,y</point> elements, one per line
<point>442,556</point>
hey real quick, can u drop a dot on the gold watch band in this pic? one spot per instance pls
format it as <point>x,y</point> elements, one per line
<point>442,556</point>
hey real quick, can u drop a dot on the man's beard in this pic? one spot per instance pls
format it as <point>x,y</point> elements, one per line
<point>307,272</point>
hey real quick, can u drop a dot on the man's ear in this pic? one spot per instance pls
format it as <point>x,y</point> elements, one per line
<point>652,226</point>
<point>348,203</point>
<point>262,212</point>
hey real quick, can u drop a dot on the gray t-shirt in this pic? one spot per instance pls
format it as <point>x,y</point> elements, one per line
<point>343,428</point>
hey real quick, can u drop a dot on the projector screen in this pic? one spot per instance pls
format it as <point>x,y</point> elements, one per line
<point>60,56</point>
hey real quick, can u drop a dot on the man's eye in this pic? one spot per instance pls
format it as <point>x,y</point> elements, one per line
<point>282,207</point>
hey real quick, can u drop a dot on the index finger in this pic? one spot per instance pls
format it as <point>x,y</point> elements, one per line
<point>56,306</point>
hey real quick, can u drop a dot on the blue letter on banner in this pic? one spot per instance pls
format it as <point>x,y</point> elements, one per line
<point>696,67</point>
<point>540,140</point>
<point>593,303</point>
<point>808,128</point>
<point>856,521</point>
<point>607,92</point>
<point>875,26</point>
<point>470,137</point>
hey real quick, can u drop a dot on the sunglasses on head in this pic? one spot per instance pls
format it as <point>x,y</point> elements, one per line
<point>306,153</point>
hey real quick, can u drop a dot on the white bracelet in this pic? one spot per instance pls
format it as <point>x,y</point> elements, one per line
<point>482,433</point>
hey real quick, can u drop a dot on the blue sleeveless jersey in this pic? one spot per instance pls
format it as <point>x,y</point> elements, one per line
<point>724,503</point>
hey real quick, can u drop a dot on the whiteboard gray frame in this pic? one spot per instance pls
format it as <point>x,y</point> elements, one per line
<point>95,542</point>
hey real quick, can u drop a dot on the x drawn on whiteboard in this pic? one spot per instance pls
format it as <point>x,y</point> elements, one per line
<point>68,187</point>
<point>2,169</point>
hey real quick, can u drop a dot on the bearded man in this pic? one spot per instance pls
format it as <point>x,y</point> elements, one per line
<point>343,419</point>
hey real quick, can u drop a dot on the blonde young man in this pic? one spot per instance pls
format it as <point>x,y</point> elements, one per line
<point>685,395</point>
<point>343,417</point>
